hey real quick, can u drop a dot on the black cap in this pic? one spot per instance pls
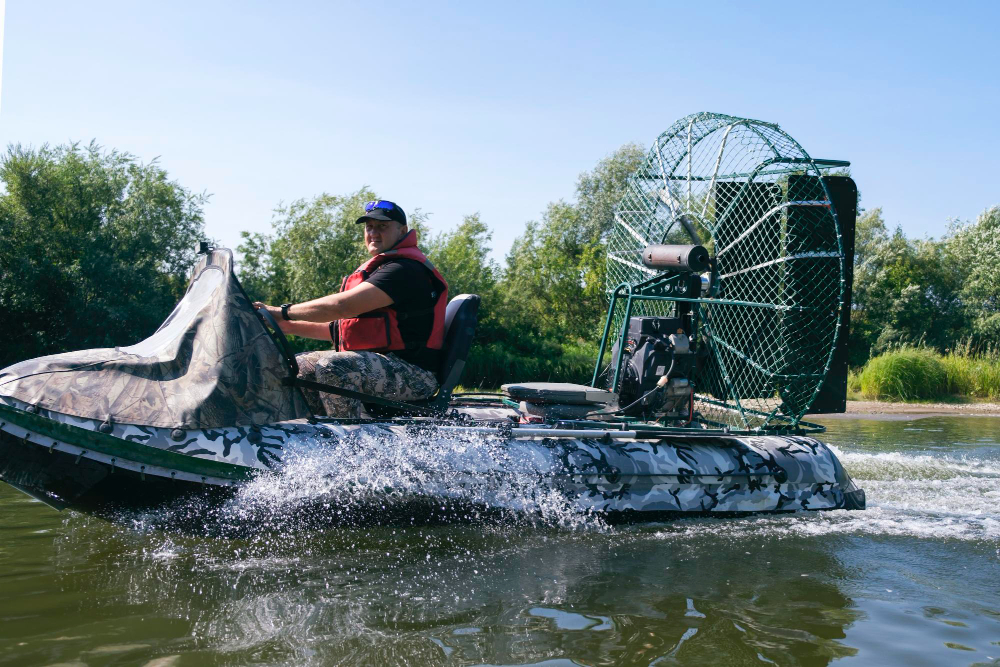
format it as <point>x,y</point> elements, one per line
<point>392,212</point>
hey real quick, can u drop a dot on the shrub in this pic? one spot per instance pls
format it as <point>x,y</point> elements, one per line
<point>95,248</point>
<point>973,374</point>
<point>853,384</point>
<point>906,373</point>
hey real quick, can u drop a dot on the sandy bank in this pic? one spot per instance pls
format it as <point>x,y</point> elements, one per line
<point>892,411</point>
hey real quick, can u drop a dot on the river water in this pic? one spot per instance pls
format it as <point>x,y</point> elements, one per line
<point>913,580</point>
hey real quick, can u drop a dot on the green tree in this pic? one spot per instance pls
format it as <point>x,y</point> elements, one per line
<point>96,248</point>
<point>544,316</point>
<point>462,257</point>
<point>543,289</point>
<point>905,291</point>
<point>553,283</point>
<point>975,252</point>
<point>599,191</point>
<point>314,243</point>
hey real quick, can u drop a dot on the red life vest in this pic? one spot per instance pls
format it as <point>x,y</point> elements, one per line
<point>378,330</point>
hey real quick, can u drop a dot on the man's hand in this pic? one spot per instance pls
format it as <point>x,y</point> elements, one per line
<point>275,312</point>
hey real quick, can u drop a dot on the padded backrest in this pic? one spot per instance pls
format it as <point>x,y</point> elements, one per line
<point>459,328</point>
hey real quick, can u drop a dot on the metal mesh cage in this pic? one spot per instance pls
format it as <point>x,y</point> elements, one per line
<point>755,199</point>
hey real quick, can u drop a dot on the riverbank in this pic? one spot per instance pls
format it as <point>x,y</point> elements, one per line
<point>885,410</point>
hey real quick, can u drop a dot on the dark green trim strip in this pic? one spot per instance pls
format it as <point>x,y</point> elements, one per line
<point>112,446</point>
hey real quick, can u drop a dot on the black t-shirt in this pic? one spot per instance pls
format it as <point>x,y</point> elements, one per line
<point>412,290</point>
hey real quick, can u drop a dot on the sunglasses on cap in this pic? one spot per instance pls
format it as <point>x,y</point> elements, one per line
<point>381,203</point>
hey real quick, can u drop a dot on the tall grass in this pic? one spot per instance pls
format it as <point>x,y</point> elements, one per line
<point>913,373</point>
<point>907,373</point>
<point>973,374</point>
<point>854,384</point>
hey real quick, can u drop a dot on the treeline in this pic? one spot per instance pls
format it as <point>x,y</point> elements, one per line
<point>96,248</point>
<point>943,294</point>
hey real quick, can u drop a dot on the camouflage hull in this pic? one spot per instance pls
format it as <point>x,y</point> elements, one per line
<point>70,462</point>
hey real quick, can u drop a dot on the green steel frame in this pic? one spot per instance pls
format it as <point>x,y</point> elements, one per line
<point>771,320</point>
<point>651,290</point>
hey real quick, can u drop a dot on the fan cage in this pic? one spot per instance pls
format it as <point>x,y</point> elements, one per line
<point>769,323</point>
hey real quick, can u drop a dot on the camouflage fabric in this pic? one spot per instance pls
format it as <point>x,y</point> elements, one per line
<point>384,375</point>
<point>210,364</point>
<point>704,474</point>
<point>683,473</point>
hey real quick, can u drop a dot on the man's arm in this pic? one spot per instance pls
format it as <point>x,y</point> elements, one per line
<point>355,301</point>
<point>316,330</point>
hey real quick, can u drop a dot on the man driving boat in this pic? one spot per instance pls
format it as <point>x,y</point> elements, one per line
<point>386,323</point>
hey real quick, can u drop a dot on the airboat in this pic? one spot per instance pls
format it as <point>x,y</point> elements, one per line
<point>729,271</point>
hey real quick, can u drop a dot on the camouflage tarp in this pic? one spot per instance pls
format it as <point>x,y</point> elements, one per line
<point>210,364</point>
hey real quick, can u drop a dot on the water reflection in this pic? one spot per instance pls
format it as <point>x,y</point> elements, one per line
<point>975,437</point>
<point>467,596</point>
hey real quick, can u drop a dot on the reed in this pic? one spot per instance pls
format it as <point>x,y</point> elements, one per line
<point>917,373</point>
<point>854,384</point>
<point>906,373</point>
<point>976,375</point>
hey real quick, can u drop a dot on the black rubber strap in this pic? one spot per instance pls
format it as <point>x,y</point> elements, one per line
<point>366,398</point>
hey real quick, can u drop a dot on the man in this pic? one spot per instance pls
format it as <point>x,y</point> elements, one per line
<point>386,323</point>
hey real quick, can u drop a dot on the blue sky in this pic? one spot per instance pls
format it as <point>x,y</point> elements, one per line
<point>497,107</point>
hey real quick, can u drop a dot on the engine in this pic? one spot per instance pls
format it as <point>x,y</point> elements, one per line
<point>657,361</point>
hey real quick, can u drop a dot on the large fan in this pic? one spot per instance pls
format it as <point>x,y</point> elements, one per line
<point>767,319</point>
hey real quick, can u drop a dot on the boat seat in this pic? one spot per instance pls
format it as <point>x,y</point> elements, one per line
<point>562,393</point>
<point>459,328</point>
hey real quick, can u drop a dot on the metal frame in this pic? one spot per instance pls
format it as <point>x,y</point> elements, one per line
<point>653,290</point>
<point>755,392</point>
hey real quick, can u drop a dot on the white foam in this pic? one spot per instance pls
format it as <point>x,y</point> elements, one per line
<point>375,471</point>
<point>943,496</point>
<point>165,551</point>
<point>899,465</point>
<point>913,495</point>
